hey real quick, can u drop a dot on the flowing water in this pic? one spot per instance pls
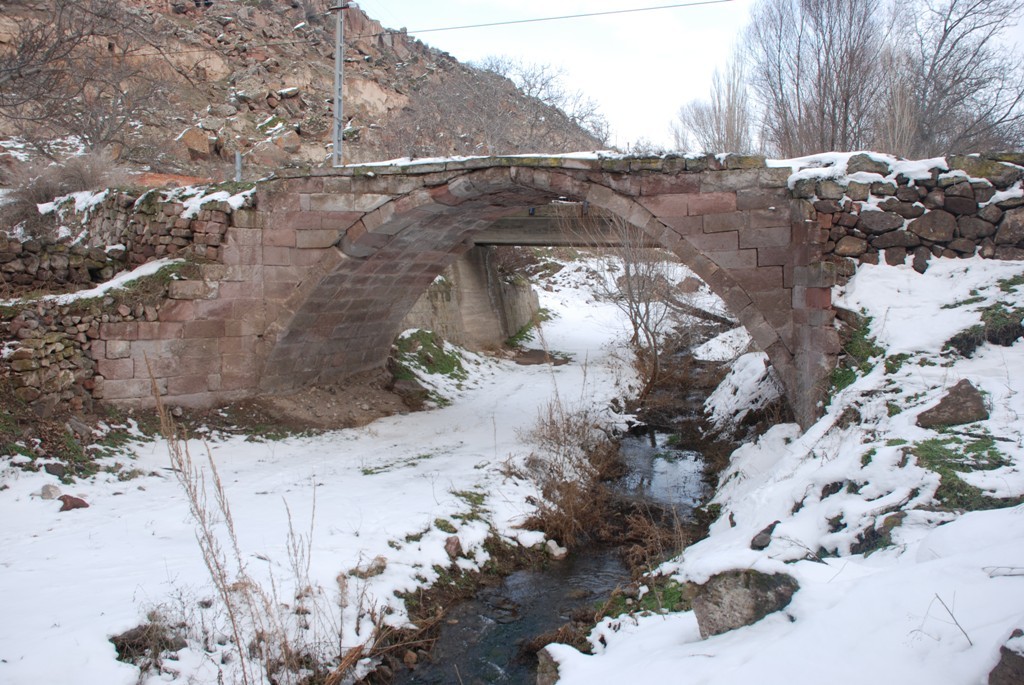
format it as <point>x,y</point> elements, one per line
<point>482,638</point>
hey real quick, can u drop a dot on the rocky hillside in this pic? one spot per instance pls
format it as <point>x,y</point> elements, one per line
<point>257,77</point>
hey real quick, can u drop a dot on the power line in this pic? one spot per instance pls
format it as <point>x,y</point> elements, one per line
<point>438,29</point>
<point>567,16</point>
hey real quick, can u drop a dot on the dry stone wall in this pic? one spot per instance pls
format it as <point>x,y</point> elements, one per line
<point>48,265</point>
<point>63,350</point>
<point>967,206</point>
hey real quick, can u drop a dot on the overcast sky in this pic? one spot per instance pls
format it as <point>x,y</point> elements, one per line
<point>640,67</point>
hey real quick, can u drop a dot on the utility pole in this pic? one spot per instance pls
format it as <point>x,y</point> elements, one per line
<point>339,81</point>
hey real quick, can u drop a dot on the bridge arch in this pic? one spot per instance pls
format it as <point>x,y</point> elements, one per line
<point>345,254</point>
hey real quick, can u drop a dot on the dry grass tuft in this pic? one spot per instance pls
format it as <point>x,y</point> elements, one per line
<point>35,183</point>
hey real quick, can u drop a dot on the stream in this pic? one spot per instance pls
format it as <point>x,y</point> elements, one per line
<point>482,637</point>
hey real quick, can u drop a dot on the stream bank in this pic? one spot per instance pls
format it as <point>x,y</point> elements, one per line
<point>492,634</point>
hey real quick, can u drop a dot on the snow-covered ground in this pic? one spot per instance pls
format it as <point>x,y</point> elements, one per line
<point>72,579</point>
<point>931,607</point>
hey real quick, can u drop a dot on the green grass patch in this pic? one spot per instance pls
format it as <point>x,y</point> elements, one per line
<point>895,362</point>
<point>1009,285</point>
<point>523,334</point>
<point>664,595</point>
<point>425,350</point>
<point>445,526</point>
<point>858,354</point>
<point>1000,325</point>
<point>949,456</point>
<point>475,499</point>
<point>964,303</point>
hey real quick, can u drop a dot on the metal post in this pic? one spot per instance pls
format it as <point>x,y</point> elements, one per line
<point>339,82</point>
<point>238,166</point>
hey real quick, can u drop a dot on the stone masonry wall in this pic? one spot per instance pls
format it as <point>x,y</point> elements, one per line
<point>66,351</point>
<point>971,205</point>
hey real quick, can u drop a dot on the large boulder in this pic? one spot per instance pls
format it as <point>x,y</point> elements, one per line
<point>872,222</point>
<point>1011,229</point>
<point>196,143</point>
<point>863,162</point>
<point>1010,669</point>
<point>937,225</point>
<point>998,174</point>
<point>735,599</point>
<point>962,404</point>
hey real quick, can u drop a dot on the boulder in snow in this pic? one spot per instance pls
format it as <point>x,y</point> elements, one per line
<point>735,599</point>
<point>1010,669</point>
<point>962,404</point>
<point>453,547</point>
<point>68,503</point>
<point>49,491</point>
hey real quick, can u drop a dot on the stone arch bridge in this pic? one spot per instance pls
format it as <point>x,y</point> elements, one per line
<point>314,277</point>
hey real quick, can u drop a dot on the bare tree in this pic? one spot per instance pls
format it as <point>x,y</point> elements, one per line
<point>634,278</point>
<point>967,89</point>
<point>897,114</point>
<point>814,71</point>
<point>546,83</point>
<point>71,69</point>
<point>722,124</point>
<point>34,63</point>
<point>112,95</point>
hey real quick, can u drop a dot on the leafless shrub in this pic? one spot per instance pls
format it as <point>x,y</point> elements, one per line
<point>37,182</point>
<point>146,644</point>
<point>275,640</point>
<point>573,458</point>
<point>633,278</point>
<point>653,539</point>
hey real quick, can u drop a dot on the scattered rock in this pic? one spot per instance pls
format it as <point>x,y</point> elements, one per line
<point>77,427</point>
<point>70,503</point>
<point>453,547</point>
<point>547,668</point>
<point>921,257</point>
<point>863,162</point>
<point>962,404</point>
<point>412,393</point>
<point>196,143</point>
<point>764,538</point>
<point>556,551</point>
<point>735,599</point>
<point>49,491</point>
<point>56,469</point>
<point>1010,669</point>
<point>289,141</point>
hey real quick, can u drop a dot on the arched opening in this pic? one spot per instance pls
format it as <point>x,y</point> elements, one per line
<point>343,316</point>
